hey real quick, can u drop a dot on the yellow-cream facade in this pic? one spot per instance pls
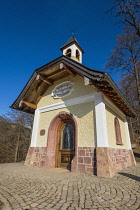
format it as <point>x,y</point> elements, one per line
<point>84,113</point>
<point>110,115</point>
<point>79,89</point>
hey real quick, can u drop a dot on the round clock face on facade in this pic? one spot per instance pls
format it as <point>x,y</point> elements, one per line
<point>63,89</point>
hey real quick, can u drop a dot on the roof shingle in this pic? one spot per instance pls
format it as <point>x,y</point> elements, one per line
<point>71,41</point>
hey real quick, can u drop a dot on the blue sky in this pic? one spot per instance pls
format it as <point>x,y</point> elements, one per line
<point>32,32</point>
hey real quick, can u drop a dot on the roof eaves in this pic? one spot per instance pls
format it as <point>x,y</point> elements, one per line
<point>24,90</point>
<point>80,64</point>
<point>119,92</point>
<point>85,71</point>
<point>79,67</point>
<point>31,79</point>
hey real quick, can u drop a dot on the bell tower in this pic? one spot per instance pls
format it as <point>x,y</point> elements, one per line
<point>72,49</point>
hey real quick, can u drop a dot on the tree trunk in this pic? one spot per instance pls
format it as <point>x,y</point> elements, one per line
<point>137,81</point>
<point>16,151</point>
<point>132,130</point>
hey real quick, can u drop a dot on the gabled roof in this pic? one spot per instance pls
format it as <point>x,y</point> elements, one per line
<point>63,67</point>
<point>72,40</point>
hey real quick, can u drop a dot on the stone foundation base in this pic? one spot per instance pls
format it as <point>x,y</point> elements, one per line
<point>85,161</point>
<point>111,160</point>
<point>36,156</point>
<point>101,161</point>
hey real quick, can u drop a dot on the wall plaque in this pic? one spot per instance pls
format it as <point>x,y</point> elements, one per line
<point>63,89</point>
<point>42,132</point>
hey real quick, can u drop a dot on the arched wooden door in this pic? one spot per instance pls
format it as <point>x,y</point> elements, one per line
<point>65,149</point>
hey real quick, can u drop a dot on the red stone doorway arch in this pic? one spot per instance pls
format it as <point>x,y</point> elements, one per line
<point>52,140</point>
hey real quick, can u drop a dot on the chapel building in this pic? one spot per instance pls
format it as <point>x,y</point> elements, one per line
<point>80,117</point>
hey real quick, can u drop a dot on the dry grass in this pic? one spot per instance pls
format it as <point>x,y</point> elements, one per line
<point>137,153</point>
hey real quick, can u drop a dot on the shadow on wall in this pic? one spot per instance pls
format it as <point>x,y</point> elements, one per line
<point>136,178</point>
<point>81,110</point>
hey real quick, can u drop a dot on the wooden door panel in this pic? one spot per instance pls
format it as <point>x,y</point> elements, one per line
<point>64,156</point>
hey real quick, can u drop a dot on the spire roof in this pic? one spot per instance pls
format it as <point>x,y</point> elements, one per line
<point>72,40</point>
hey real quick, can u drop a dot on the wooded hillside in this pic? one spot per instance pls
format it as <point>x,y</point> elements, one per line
<point>15,135</point>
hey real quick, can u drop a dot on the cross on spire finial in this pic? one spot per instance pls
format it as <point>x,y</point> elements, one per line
<point>73,33</point>
<point>72,49</point>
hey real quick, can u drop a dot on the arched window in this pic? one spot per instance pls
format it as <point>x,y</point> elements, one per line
<point>118,131</point>
<point>68,53</point>
<point>68,137</point>
<point>77,55</point>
